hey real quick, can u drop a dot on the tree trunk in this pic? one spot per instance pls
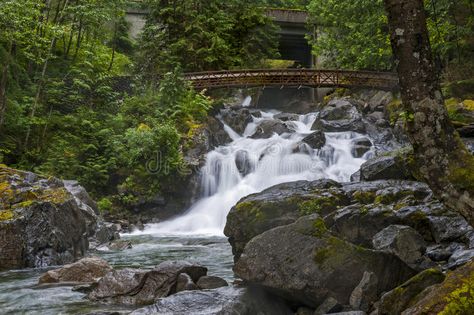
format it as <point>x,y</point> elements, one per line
<point>443,160</point>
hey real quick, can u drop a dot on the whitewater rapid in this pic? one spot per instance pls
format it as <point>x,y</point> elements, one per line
<point>263,163</point>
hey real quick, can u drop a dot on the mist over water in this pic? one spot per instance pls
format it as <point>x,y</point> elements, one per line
<point>246,166</point>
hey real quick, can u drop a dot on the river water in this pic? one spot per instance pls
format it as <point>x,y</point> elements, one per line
<point>198,235</point>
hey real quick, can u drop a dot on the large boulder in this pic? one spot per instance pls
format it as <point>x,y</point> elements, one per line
<point>316,140</point>
<point>453,295</point>
<point>41,222</point>
<point>268,127</point>
<point>384,167</point>
<point>339,115</point>
<point>142,287</point>
<point>304,263</point>
<point>237,119</point>
<point>397,300</point>
<point>280,205</point>
<point>85,270</point>
<point>211,282</point>
<point>403,241</point>
<point>222,301</point>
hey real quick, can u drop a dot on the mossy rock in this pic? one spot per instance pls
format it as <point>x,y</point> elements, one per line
<point>455,295</point>
<point>400,298</point>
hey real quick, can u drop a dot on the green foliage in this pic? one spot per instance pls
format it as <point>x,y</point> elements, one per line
<point>354,34</point>
<point>208,35</point>
<point>105,205</point>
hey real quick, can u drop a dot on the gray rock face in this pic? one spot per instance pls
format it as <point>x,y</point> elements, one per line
<point>43,223</point>
<point>339,115</point>
<point>397,300</point>
<point>460,257</point>
<point>365,293</point>
<point>287,117</point>
<point>383,167</point>
<point>211,282</point>
<point>316,140</point>
<point>361,146</point>
<point>242,161</point>
<point>185,283</point>
<point>268,128</point>
<point>278,205</point>
<point>330,305</point>
<point>84,270</point>
<point>222,301</point>
<point>448,228</point>
<point>140,287</point>
<point>314,264</point>
<point>236,119</point>
<point>403,241</point>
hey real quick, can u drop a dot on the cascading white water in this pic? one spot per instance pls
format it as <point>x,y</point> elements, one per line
<point>263,163</point>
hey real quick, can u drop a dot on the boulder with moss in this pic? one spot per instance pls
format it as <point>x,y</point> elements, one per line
<point>397,300</point>
<point>280,205</point>
<point>453,296</point>
<point>41,222</point>
<point>304,263</point>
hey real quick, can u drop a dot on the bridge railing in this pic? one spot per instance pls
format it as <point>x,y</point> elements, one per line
<point>292,78</point>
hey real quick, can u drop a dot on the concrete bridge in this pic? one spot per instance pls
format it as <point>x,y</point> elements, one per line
<point>293,78</point>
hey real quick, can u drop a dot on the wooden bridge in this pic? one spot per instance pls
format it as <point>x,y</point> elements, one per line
<point>292,78</point>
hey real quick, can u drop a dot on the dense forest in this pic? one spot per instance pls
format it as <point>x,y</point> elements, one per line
<point>64,110</point>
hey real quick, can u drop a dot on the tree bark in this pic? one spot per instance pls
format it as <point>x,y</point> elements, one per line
<point>443,160</point>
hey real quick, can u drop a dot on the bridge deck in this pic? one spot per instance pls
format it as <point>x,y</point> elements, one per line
<point>293,78</point>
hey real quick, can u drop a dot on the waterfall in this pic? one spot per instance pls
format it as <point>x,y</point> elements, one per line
<point>247,166</point>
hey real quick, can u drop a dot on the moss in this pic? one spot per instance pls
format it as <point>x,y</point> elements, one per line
<point>390,198</point>
<point>364,197</point>
<point>461,300</point>
<point>319,227</point>
<point>336,252</point>
<point>24,204</point>
<point>364,210</point>
<point>468,104</point>
<point>324,203</point>
<point>6,215</point>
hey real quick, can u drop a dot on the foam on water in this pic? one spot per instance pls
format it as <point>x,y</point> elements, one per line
<point>263,163</point>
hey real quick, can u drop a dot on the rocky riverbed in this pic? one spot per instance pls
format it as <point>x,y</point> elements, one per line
<point>347,227</point>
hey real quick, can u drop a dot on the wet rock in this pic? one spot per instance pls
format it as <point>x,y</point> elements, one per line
<point>316,140</point>
<point>85,270</point>
<point>119,245</point>
<point>360,147</point>
<point>314,264</point>
<point>236,119</point>
<point>287,117</point>
<point>460,257</point>
<point>434,299</point>
<point>280,205</point>
<point>106,232</point>
<point>243,163</point>
<point>403,241</point>
<point>211,282</point>
<point>442,252</point>
<point>141,287</point>
<point>355,177</point>
<point>228,300</point>
<point>339,115</point>
<point>267,128</point>
<point>383,167</point>
<point>448,228</point>
<point>397,300</point>
<point>42,223</point>
<point>330,305</point>
<point>365,293</point>
<point>185,283</point>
